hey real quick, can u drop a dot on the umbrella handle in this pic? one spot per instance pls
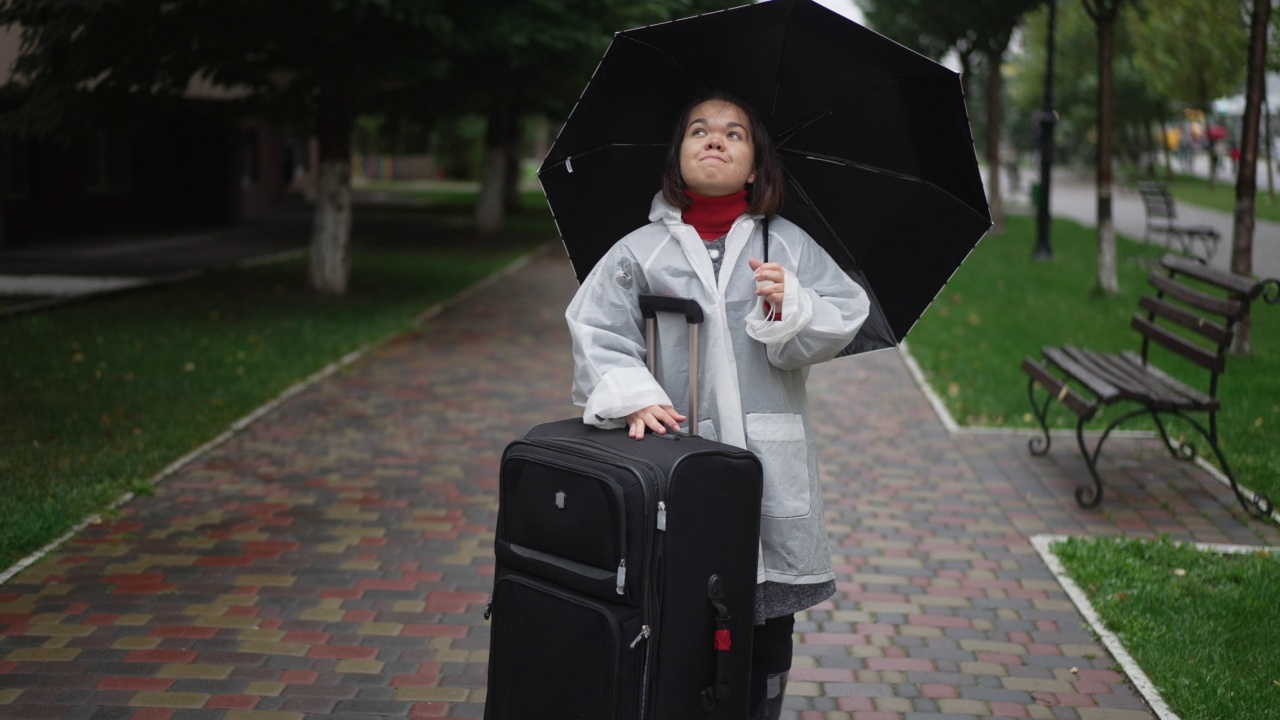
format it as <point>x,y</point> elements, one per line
<point>766,239</point>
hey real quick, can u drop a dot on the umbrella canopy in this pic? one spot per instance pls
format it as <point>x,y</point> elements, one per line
<point>874,140</point>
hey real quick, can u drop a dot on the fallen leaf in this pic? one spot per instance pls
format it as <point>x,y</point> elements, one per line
<point>1122,595</point>
<point>77,358</point>
<point>953,389</point>
<point>189,367</point>
<point>1179,572</point>
<point>1257,423</point>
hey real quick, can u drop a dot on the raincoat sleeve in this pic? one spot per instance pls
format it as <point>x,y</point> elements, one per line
<point>610,379</point>
<point>822,307</point>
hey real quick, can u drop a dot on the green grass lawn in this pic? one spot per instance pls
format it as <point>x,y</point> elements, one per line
<point>101,395</point>
<point>1201,624</point>
<point>1194,190</point>
<point>1001,306</point>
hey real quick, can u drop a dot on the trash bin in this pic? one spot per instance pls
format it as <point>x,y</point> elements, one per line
<point>1035,194</point>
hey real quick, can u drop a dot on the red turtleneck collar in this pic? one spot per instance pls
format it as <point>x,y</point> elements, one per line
<point>713,216</point>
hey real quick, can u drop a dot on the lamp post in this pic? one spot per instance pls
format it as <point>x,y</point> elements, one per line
<point>1048,117</point>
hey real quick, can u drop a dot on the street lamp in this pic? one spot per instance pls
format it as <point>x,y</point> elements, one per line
<point>1048,117</point>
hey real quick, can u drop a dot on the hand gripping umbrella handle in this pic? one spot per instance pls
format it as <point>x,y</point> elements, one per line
<point>650,306</point>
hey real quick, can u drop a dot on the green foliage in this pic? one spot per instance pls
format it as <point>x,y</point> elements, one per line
<point>424,59</point>
<point>1191,51</point>
<point>1000,306</point>
<point>86,58</point>
<point>1136,103</point>
<point>1199,623</point>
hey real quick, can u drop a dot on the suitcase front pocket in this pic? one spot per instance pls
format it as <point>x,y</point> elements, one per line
<point>556,654</point>
<point>563,517</point>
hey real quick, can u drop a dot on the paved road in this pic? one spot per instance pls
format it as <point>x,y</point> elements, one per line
<point>1074,196</point>
<point>333,559</point>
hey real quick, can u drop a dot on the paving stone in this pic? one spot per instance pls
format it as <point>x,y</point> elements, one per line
<point>334,557</point>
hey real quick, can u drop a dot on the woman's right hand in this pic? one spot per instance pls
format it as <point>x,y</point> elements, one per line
<point>655,417</point>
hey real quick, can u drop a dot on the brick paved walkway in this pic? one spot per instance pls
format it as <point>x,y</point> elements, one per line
<point>334,559</point>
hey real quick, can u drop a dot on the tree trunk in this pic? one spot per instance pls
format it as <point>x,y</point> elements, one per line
<point>1267,141</point>
<point>491,205</point>
<point>1246,178</point>
<point>1108,278</point>
<point>1168,154</point>
<point>511,184</point>
<point>995,96</point>
<point>330,265</point>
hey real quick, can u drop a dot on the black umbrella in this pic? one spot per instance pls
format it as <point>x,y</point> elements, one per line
<point>874,140</point>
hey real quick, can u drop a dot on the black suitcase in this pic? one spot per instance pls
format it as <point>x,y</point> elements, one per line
<point>625,582</point>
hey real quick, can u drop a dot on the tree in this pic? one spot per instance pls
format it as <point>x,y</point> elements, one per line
<point>1192,52</point>
<point>520,59</point>
<point>314,63</point>
<point>1104,14</point>
<point>984,26</point>
<point>1246,180</point>
<point>995,21</point>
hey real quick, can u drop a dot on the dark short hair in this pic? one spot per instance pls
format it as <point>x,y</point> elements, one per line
<point>764,196</point>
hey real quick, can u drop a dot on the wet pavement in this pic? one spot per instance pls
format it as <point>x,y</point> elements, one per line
<point>333,558</point>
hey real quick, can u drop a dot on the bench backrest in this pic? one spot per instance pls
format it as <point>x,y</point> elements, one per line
<point>1195,321</point>
<point>1157,199</point>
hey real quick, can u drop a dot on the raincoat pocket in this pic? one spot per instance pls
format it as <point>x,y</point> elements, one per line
<point>779,441</point>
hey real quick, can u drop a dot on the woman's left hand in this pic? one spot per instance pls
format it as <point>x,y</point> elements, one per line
<point>770,278</point>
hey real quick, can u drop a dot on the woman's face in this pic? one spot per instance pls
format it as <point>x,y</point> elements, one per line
<point>717,157</point>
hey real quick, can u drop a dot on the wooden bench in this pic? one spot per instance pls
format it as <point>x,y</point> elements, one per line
<point>1195,321</point>
<point>1161,217</point>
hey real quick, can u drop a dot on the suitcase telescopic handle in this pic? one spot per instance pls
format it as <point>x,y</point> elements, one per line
<point>650,306</point>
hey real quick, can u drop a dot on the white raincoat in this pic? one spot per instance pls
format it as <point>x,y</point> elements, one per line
<point>752,388</point>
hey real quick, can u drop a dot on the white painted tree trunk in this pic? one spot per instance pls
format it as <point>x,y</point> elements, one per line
<point>490,206</point>
<point>331,230</point>
<point>1108,271</point>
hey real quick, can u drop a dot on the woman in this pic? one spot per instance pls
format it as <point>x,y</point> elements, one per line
<point>765,324</point>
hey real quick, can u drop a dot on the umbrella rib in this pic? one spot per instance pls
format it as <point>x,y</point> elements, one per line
<point>852,261</point>
<point>777,84</point>
<point>882,171</point>
<point>671,58</point>
<point>785,135</point>
<point>601,148</point>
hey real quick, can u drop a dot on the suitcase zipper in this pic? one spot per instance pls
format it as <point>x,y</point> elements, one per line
<point>653,486</point>
<point>617,496</point>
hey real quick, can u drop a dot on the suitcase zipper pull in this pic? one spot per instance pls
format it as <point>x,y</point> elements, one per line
<point>644,634</point>
<point>622,576</point>
<point>662,515</point>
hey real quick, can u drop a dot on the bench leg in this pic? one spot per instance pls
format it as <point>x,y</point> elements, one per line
<point>1087,496</point>
<point>1260,507</point>
<point>1039,445</point>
